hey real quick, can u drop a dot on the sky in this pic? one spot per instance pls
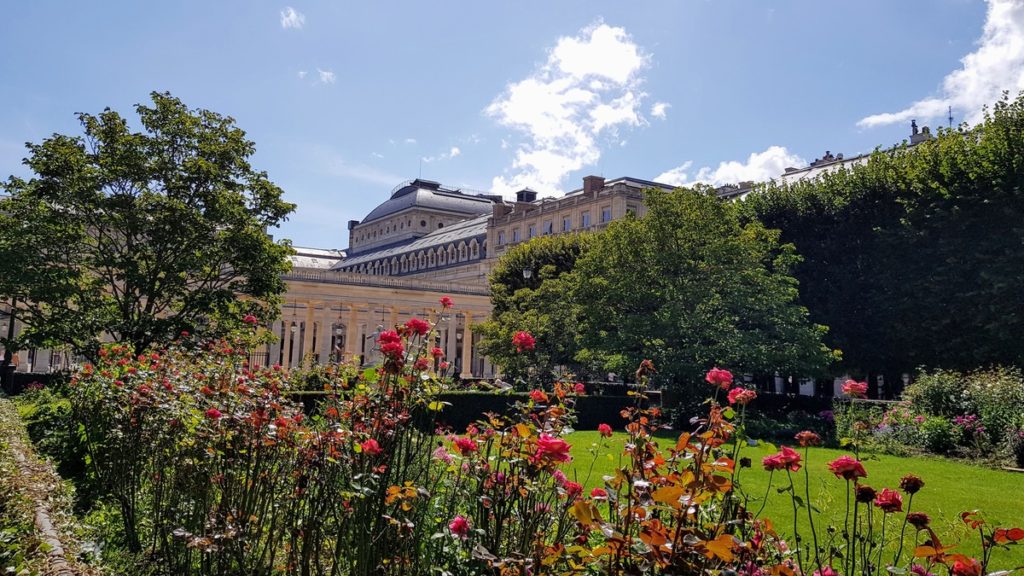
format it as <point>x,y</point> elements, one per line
<point>347,100</point>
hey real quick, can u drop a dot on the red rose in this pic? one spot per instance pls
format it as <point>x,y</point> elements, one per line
<point>825,571</point>
<point>808,438</point>
<point>213,414</point>
<point>855,389</point>
<point>523,341</point>
<point>773,462</point>
<point>572,489</point>
<point>437,352</point>
<point>791,458</point>
<point>971,567</point>
<point>605,430</point>
<point>421,364</point>
<point>579,388</point>
<point>720,378</point>
<point>552,449</point>
<point>465,445</point>
<point>911,484</point>
<point>371,447</point>
<point>889,501</point>
<point>847,468</point>
<point>444,365</point>
<point>599,494</point>
<point>864,494</point>
<point>741,396</point>
<point>250,319</point>
<point>417,326</point>
<point>446,302</point>
<point>459,527</point>
<point>918,520</point>
<point>538,396</point>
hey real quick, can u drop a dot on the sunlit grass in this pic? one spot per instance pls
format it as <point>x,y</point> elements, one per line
<point>950,488</point>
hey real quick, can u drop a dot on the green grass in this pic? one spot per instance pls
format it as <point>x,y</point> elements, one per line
<point>950,488</point>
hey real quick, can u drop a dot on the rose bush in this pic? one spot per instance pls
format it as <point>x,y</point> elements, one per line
<point>215,471</point>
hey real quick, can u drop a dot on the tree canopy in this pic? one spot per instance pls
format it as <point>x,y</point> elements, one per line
<point>689,287</point>
<point>914,258</point>
<point>539,304</point>
<point>140,235</point>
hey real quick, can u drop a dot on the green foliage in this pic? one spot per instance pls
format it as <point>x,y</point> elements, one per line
<point>922,241</point>
<point>540,305</point>
<point>141,235</point>
<point>689,287</point>
<point>939,392</point>
<point>938,435</point>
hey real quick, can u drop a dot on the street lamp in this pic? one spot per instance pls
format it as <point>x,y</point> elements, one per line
<point>527,273</point>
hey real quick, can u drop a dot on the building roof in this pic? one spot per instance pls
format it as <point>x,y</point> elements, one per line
<point>428,194</point>
<point>323,258</point>
<point>464,230</point>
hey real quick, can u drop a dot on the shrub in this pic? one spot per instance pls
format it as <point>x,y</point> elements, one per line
<point>939,435</point>
<point>993,396</point>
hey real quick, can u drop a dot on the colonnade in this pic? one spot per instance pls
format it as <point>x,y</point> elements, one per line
<point>319,331</point>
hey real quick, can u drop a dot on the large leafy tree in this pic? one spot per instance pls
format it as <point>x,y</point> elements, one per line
<point>138,235</point>
<point>914,258</point>
<point>539,304</point>
<point>689,287</point>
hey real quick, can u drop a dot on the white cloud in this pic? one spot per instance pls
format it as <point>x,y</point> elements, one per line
<point>410,140</point>
<point>660,109</point>
<point>329,161</point>
<point>326,76</point>
<point>996,65</point>
<point>586,90</point>
<point>452,153</point>
<point>290,18</point>
<point>302,74</point>
<point>760,166</point>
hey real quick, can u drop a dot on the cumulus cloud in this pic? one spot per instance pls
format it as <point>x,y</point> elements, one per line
<point>326,76</point>
<point>290,18</point>
<point>660,109</point>
<point>996,65</point>
<point>759,166</point>
<point>586,90</point>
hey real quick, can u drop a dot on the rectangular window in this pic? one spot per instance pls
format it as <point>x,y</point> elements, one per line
<point>515,234</point>
<point>585,220</point>
<point>532,231</point>
<point>606,214</point>
<point>566,224</point>
<point>547,227</point>
<point>501,238</point>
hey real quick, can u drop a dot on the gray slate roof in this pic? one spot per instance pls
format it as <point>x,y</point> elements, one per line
<point>427,194</point>
<point>465,230</point>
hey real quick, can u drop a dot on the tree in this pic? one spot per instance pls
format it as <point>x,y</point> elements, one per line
<point>689,287</point>
<point>539,305</point>
<point>914,258</point>
<point>141,235</point>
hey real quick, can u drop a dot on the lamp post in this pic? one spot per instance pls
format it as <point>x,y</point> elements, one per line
<point>527,273</point>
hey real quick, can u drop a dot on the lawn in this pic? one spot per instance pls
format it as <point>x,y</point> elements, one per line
<point>950,488</point>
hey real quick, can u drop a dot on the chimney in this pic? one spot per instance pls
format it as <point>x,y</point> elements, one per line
<point>352,224</point>
<point>526,195</point>
<point>592,184</point>
<point>499,209</point>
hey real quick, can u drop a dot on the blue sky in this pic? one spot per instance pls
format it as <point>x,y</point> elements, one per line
<point>345,100</point>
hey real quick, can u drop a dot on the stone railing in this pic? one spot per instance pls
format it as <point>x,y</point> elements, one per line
<point>354,279</point>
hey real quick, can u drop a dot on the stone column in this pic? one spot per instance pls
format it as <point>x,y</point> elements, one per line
<point>351,332</point>
<point>326,333</point>
<point>42,361</point>
<point>467,348</point>
<point>286,360</point>
<point>392,318</point>
<point>275,346</point>
<point>307,333</point>
<point>451,343</point>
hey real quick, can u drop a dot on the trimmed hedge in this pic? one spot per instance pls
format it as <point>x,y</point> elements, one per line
<point>463,408</point>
